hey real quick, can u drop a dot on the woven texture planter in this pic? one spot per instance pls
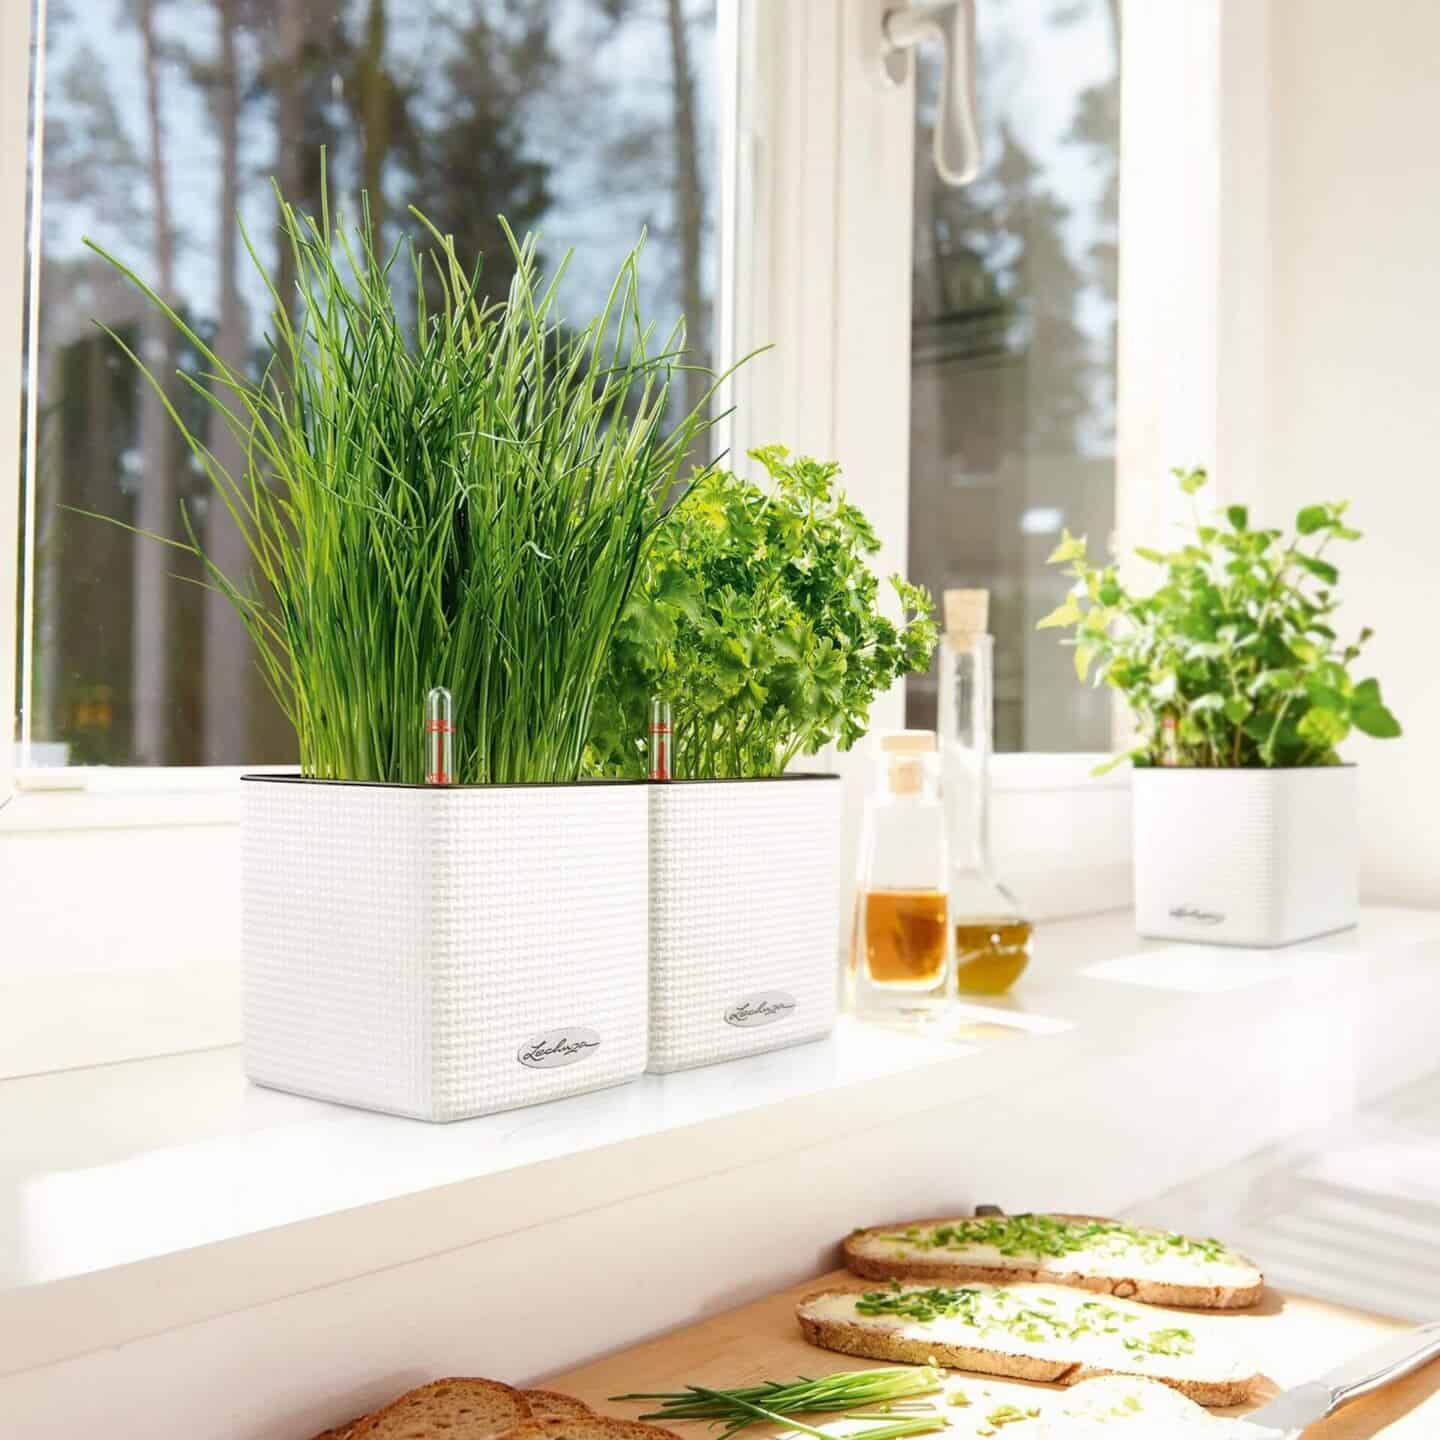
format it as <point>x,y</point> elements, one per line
<point>1245,857</point>
<point>442,953</point>
<point>744,920</point>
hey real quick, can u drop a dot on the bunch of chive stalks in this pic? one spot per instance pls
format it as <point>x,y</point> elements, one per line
<point>891,1396</point>
<point>457,496</point>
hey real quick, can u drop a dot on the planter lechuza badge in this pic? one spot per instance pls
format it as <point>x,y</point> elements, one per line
<point>1241,694</point>
<point>756,620</point>
<point>455,500</point>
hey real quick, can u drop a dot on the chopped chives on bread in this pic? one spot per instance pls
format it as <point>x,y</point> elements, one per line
<point>457,1409</point>
<point>1154,1266</point>
<point>1028,1331</point>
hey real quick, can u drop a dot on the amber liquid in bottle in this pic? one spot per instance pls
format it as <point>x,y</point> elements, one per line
<point>905,936</point>
<point>993,939</point>
<point>990,954</point>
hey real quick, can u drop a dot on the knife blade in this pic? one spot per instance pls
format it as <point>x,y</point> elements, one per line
<point>1392,1359</point>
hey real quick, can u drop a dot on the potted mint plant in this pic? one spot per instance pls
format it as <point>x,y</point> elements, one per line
<point>455,496</point>
<point>1241,692</point>
<point>757,617</point>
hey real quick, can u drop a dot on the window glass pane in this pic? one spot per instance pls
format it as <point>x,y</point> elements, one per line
<point>1012,428</point>
<point>585,119</point>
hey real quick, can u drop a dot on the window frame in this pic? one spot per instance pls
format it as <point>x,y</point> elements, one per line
<point>14,121</point>
<point>808,207</point>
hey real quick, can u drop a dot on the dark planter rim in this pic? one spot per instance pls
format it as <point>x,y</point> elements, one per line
<point>295,778</point>
<point>747,779</point>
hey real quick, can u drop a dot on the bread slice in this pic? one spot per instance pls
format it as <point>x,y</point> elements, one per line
<point>1105,1256</point>
<point>547,1404</point>
<point>1120,1406</point>
<point>588,1427</point>
<point>1044,1333</point>
<point>455,1409</point>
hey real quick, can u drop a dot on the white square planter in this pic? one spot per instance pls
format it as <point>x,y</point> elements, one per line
<point>443,952</point>
<point>1245,857</point>
<point>744,916</point>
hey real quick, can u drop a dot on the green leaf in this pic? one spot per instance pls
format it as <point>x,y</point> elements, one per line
<point>1375,720</point>
<point>1325,728</point>
<point>1067,613</point>
<point>1071,547</point>
<point>1084,654</point>
<point>1237,710</point>
<point>1191,481</point>
<point>1238,516</point>
<point>676,589</point>
<point>1321,569</point>
<point>1325,696</point>
<point>1155,557</point>
<point>1312,518</point>
<point>1114,762</point>
<point>1206,704</point>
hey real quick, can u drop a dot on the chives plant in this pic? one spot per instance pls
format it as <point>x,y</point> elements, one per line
<point>458,499</point>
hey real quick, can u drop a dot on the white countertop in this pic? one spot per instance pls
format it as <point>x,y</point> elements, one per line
<point>147,1195</point>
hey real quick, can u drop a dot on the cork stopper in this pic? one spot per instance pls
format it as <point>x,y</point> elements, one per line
<point>908,742</point>
<point>905,749</point>
<point>967,615</point>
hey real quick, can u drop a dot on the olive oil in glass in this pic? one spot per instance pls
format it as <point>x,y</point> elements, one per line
<point>992,937</point>
<point>902,945</point>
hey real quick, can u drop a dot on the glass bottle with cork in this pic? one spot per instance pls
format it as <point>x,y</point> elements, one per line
<point>992,938</point>
<point>900,956</point>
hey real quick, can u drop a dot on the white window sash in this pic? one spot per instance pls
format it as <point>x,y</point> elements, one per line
<point>14,114</point>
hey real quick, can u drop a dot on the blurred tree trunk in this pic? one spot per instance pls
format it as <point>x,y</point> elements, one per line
<point>230,673</point>
<point>153,701</point>
<point>290,132</point>
<point>689,201</point>
<point>373,110</point>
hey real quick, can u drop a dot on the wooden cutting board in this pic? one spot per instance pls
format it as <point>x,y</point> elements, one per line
<point>1291,1339</point>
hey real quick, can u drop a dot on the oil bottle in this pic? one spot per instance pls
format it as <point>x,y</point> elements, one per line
<point>991,937</point>
<point>900,960</point>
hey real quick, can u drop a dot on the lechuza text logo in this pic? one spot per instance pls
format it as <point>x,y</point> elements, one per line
<point>558,1047</point>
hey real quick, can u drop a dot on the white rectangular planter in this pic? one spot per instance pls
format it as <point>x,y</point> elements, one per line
<point>443,952</point>
<point>744,916</point>
<point>1245,857</point>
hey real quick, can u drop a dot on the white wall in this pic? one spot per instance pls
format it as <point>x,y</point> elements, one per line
<point>1353,385</point>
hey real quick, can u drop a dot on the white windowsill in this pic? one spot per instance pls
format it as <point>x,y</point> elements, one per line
<point>102,797</point>
<point>141,1197</point>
